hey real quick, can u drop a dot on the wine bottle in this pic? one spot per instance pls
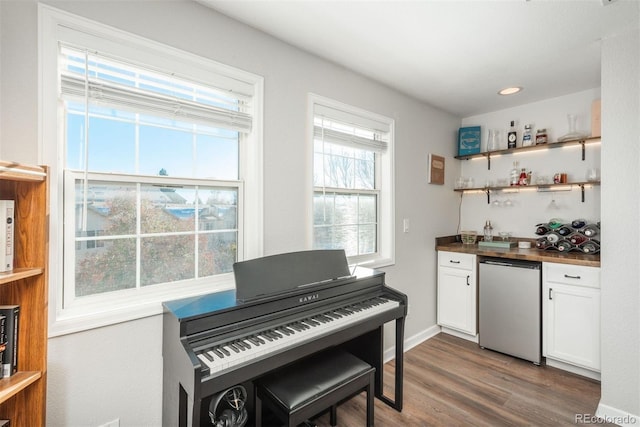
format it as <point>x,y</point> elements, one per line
<point>591,230</point>
<point>564,230</point>
<point>590,247</point>
<point>564,245</point>
<point>578,239</point>
<point>512,136</point>
<point>553,237</point>
<point>578,223</point>
<point>543,243</point>
<point>542,229</point>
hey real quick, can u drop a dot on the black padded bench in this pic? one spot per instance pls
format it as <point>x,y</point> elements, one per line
<point>296,393</point>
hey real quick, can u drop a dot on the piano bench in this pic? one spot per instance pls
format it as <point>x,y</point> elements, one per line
<point>297,392</point>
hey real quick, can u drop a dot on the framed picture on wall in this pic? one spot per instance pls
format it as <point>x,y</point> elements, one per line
<point>436,169</point>
<point>469,140</point>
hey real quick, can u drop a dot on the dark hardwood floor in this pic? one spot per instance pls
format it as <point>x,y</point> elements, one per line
<point>453,382</point>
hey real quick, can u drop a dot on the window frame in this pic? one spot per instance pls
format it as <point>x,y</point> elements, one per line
<point>102,309</point>
<point>384,175</point>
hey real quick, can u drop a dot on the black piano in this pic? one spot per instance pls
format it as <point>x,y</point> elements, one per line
<point>284,307</point>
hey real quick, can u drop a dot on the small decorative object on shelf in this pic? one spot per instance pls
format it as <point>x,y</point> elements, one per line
<point>469,140</point>
<point>573,133</point>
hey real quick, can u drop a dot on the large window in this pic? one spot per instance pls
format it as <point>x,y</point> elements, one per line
<point>352,179</point>
<point>151,169</point>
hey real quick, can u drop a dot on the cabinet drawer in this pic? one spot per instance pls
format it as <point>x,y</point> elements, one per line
<point>456,260</point>
<point>572,274</point>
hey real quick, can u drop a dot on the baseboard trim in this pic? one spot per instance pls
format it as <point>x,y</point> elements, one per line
<point>616,416</point>
<point>412,341</point>
<point>573,369</point>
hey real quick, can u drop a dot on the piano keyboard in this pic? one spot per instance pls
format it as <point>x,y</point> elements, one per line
<point>224,356</point>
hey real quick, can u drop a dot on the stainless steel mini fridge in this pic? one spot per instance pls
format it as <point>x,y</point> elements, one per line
<point>510,307</point>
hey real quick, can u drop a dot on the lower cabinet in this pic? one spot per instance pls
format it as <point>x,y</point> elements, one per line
<point>457,292</point>
<point>571,315</point>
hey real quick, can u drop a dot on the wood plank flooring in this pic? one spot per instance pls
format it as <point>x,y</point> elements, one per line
<point>453,382</point>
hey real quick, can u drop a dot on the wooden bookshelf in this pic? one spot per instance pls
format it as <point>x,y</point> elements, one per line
<point>23,394</point>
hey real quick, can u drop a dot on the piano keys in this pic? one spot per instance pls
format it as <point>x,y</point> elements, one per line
<point>215,341</point>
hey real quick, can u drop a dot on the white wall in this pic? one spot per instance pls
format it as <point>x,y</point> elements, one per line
<point>530,207</point>
<point>621,214</point>
<point>115,372</point>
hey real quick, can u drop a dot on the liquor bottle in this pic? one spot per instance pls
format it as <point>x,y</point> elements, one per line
<point>515,175</point>
<point>512,136</point>
<point>542,229</point>
<point>488,231</point>
<point>526,136</point>
<point>590,247</point>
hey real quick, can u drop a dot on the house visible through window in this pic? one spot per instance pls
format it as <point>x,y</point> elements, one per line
<point>154,147</point>
<point>353,191</point>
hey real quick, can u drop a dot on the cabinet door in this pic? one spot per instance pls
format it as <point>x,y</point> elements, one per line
<point>457,299</point>
<point>572,324</point>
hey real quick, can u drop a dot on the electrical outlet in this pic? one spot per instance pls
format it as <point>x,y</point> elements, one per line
<point>405,225</point>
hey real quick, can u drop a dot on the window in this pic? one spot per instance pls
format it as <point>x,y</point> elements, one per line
<point>151,172</point>
<point>352,179</point>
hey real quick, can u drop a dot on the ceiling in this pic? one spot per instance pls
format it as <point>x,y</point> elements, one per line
<point>455,55</point>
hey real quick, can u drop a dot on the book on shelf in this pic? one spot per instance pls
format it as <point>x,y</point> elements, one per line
<point>3,342</point>
<point>10,356</point>
<point>6,235</point>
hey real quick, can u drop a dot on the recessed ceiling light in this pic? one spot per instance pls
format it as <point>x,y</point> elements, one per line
<point>510,90</point>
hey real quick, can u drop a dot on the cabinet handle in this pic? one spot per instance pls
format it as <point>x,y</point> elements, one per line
<point>571,277</point>
<point>550,290</point>
<point>468,284</point>
<point>454,262</point>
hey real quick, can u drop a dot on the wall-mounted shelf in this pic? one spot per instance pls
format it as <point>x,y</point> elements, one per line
<point>540,188</point>
<point>489,154</point>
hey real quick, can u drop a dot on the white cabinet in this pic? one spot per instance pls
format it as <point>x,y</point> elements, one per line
<point>457,292</point>
<point>571,315</point>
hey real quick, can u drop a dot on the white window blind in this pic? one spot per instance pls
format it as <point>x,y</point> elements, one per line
<point>345,128</point>
<point>100,80</point>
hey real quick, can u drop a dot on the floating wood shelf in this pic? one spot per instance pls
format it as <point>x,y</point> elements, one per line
<point>489,154</point>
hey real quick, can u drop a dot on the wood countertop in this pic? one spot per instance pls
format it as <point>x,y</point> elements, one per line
<point>450,244</point>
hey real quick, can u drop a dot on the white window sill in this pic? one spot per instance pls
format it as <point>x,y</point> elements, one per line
<point>81,318</point>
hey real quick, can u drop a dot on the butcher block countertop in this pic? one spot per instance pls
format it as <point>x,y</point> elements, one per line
<point>452,244</point>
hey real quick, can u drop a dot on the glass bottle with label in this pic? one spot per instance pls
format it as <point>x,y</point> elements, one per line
<point>526,136</point>
<point>512,136</point>
<point>515,175</point>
